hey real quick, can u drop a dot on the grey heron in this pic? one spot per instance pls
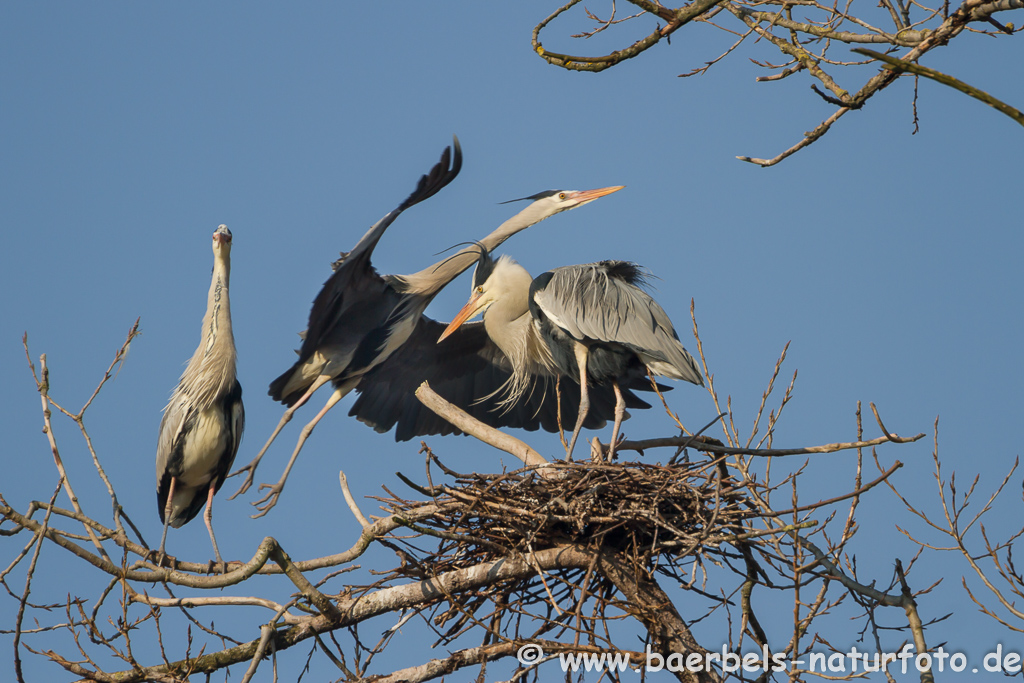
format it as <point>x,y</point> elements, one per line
<point>203,421</point>
<point>360,318</point>
<point>592,323</point>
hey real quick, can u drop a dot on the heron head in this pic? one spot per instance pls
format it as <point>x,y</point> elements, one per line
<point>551,202</point>
<point>222,234</point>
<point>484,266</point>
<point>503,280</point>
<point>479,299</point>
<point>478,302</point>
<point>221,239</point>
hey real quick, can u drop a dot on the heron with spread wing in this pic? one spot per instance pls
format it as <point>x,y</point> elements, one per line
<point>360,318</point>
<point>592,323</point>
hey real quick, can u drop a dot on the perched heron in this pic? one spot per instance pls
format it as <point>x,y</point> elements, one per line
<point>360,318</point>
<point>202,423</point>
<point>592,323</point>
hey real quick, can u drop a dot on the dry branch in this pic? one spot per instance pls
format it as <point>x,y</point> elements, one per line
<point>900,65</point>
<point>555,555</point>
<point>803,32</point>
<point>474,427</point>
<point>682,441</point>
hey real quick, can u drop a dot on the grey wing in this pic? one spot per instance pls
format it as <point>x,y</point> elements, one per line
<point>355,303</point>
<point>178,416</point>
<point>468,370</point>
<point>589,305</point>
<point>238,415</point>
<point>234,416</point>
<point>602,302</point>
<point>171,426</point>
<point>331,303</point>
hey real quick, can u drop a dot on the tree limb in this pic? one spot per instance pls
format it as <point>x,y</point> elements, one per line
<point>474,427</point>
<point>900,65</point>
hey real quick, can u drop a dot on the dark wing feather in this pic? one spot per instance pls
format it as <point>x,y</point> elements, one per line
<point>468,370</point>
<point>331,303</point>
<point>234,417</point>
<point>355,293</point>
<point>464,364</point>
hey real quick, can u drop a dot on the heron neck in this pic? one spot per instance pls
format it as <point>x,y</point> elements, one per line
<point>507,329</point>
<point>432,279</point>
<point>217,321</point>
<point>512,329</point>
<point>212,368</point>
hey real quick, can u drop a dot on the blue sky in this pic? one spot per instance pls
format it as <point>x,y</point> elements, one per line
<point>891,261</point>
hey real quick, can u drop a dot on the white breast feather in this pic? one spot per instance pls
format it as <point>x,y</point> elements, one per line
<point>203,447</point>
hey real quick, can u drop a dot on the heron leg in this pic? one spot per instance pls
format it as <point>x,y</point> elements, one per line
<point>208,518</point>
<point>558,413</point>
<point>581,360</point>
<point>620,411</point>
<point>167,520</point>
<point>270,499</point>
<point>285,419</point>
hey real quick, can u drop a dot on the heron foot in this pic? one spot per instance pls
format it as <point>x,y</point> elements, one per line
<point>612,453</point>
<point>250,478</point>
<point>269,500</point>
<point>162,559</point>
<point>219,566</point>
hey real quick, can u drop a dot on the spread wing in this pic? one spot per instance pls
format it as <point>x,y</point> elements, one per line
<point>468,370</point>
<point>354,306</point>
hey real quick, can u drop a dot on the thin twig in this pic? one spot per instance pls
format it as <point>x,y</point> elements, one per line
<point>899,66</point>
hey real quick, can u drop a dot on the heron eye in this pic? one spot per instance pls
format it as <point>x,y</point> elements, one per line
<point>561,195</point>
<point>480,289</point>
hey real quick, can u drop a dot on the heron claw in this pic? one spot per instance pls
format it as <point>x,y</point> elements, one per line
<point>269,500</point>
<point>217,566</point>
<point>250,479</point>
<point>161,557</point>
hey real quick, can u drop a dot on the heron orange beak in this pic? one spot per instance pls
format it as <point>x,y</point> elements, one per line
<point>591,195</point>
<point>222,235</point>
<point>471,308</point>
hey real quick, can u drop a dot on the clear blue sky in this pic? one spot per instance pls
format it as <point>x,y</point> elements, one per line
<point>130,131</point>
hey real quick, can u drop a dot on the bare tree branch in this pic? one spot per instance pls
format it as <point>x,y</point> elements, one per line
<point>899,65</point>
<point>805,42</point>
<point>572,559</point>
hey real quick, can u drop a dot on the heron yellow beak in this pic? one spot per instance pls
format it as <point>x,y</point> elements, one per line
<point>591,195</point>
<point>472,307</point>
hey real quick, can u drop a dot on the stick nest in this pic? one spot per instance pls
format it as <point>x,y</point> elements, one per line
<point>638,510</point>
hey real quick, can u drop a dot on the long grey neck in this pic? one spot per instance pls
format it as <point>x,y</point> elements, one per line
<point>508,324</point>
<point>212,368</point>
<point>217,321</point>
<point>432,279</point>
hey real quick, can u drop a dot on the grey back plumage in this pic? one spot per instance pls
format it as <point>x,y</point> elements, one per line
<point>592,323</point>
<point>604,304</point>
